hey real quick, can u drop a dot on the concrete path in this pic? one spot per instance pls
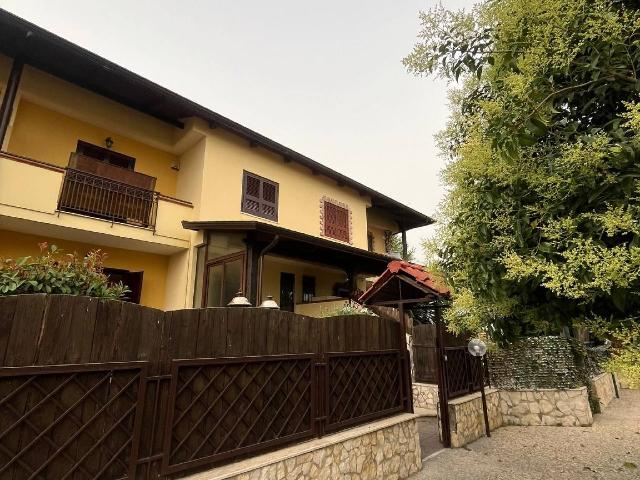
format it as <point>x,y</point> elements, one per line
<point>609,449</point>
<point>428,431</point>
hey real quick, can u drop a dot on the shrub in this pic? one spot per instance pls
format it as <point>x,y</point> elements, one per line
<point>53,271</point>
<point>351,308</point>
<point>625,362</point>
<point>625,354</point>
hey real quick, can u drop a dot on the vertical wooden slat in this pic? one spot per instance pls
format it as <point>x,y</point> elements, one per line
<point>25,331</point>
<point>235,323</point>
<point>83,323</point>
<point>7,314</point>
<point>153,414</point>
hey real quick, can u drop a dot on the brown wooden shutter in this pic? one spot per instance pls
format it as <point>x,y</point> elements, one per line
<point>336,221</point>
<point>259,196</point>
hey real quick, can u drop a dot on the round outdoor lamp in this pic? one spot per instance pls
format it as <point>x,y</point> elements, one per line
<point>269,303</point>
<point>478,348</point>
<point>239,301</point>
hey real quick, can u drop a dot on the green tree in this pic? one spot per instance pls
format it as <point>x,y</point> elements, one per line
<point>541,225</point>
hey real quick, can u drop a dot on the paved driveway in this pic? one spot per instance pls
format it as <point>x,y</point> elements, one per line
<point>609,449</point>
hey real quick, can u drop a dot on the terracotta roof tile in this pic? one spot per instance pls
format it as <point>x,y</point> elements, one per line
<point>414,271</point>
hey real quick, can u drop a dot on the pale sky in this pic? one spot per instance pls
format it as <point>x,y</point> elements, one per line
<point>324,78</point>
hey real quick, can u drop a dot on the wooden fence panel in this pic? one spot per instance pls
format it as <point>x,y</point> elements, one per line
<point>52,330</point>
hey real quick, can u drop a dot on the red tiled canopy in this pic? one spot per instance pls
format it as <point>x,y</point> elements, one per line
<point>416,275</point>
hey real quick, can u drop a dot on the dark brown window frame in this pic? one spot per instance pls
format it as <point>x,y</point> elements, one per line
<point>259,200</point>
<point>220,261</point>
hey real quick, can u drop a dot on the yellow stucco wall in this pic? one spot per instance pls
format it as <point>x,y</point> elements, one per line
<point>273,266</point>
<point>49,136</point>
<point>76,102</point>
<point>300,192</point>
<point>13,245</point>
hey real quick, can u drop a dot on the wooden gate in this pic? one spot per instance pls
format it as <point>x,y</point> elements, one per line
<point>425,353</point>
<point>104,389</point>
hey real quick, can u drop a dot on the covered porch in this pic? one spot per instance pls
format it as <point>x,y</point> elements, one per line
<point>304,274</point>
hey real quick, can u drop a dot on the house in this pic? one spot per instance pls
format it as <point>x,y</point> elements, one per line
<point>190,206</point>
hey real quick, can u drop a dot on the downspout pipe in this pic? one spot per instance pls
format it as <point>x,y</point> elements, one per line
<point>9,97</point>
<point>264,251</point>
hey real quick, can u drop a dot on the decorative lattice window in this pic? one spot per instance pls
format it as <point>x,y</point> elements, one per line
<point>259,196</point>
<point>336,221</point>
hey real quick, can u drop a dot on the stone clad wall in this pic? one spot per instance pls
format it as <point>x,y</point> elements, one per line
<point>466,418</point>
<point>567,408</point>
<point>603,388</point>
<point>364,453</point>
<point>425,396</point>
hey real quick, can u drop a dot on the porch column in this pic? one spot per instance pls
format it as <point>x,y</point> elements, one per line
<point>252,271</point>
<point>9,97</point>
<point>404,244</point>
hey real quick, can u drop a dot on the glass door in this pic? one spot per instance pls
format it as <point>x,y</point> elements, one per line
<point>225,277</point>
<point>287,291</point>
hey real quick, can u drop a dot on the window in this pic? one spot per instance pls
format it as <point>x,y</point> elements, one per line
<point>225,277</point>
<point>201,252</point>
<point>308,288</point>
<point>259,196</point>
<point>132,280</point>
<point>220,270</point>
<point>336,221</point>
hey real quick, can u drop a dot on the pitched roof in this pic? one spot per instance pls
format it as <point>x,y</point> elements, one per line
<point>416,273</point>
<point>59,57</point>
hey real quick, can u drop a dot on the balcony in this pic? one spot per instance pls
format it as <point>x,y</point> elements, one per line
<point>101,197</point>
<point>40,198</point>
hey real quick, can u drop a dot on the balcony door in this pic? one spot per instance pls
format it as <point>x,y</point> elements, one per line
<point>223,279</point>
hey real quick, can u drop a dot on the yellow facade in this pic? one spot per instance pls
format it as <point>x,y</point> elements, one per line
<point>300,192</point>
<point>199,165</point>
<point>16,245</point>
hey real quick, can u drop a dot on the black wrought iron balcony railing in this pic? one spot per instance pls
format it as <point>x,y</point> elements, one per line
<point>100,197</point>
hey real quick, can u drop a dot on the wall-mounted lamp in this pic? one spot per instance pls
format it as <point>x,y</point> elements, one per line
<point>108,142</point>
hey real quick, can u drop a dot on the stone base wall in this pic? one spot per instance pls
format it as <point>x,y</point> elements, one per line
<point>387,449</point>
<point>466,417</point>
<point>425,396</point>
<point>603,388</point>
<point>567,408</point>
